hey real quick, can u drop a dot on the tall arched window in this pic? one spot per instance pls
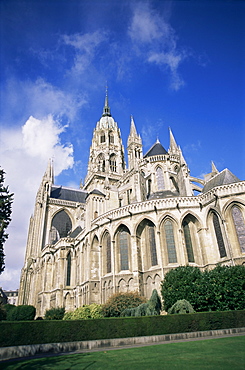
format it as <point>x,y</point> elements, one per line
<point>239,223</point>
<point>152,242</point>
<point>60,227</point>
<point>113,163</point>
<point>102,137</point>
<point>169,239</point>
<point>108,252</point>
<point>219,236</point>
<point>101,163</point>
<point>188,241</point>
<point>123,243</point>
<point>68,269</point>
<point>111,138</point>
<point>160,179</point>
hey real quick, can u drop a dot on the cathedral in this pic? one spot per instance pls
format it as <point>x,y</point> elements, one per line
<point>128,225</point>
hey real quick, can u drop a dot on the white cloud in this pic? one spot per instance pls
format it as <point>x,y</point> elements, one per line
<point>85,46</point>
<point>24,156</point>
<point>39,98</point>
<point>156,42</point>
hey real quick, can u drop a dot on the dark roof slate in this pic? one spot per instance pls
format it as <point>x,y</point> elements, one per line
<point>75,232</point>
<point>156,149</point>
<point>73,195</point>
<point>163,194</point>
<point>222,178</point>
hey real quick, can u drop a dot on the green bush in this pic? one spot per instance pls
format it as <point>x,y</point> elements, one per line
<point>22,313</point>
<point>92,311</point>
<point>151,307</point>
<point>220,289</point>
<point>118,302</point>
<point>181,306</point>
<point>54,313</point>
<point>52,331</point>
<point>3,313</point>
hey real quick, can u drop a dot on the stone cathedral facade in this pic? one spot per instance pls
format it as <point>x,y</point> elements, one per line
<point>128,225</point>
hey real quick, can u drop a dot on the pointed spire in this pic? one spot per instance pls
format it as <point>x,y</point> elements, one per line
<point>214,169</point>
<point>173,146</point>
<point>133,131</point>
<point>49,173</point>
<point>106,109</point>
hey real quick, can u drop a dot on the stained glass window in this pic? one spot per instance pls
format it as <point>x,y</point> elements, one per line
<point>152,242</point>
<point>123,248</point>
<point>240,226</point>
<point>68,269</point>
<point>219,236</point>
<point>160,179</point>
<point>188,242</point>
<point>108,252</point>
<point>169,237</point>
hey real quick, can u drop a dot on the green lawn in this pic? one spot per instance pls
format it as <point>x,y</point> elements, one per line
<point>223,353</point>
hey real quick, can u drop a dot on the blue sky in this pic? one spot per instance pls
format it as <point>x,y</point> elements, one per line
<point>177,64</point>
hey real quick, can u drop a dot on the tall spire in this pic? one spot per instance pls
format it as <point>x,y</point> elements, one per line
<point>106,110</point>
<point>173,146</point>
<point>133,131</point>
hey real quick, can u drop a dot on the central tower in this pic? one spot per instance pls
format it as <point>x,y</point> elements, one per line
<point>106,162</point>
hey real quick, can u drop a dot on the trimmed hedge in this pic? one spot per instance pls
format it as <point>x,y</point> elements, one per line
<point>38,332</point>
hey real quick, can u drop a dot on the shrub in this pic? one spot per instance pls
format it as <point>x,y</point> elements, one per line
<point>92,311</point>
<point>3,313</point>
<point>22,313</point>
<point>54,313</point>
<point>118,302</point>
<point>181,306</point>
<point>220,289</point>
<point>151,307</point>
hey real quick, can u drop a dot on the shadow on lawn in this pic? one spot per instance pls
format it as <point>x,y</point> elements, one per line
<point>76,361</point>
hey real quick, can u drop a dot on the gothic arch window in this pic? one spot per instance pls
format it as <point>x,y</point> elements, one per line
<point>239,224</point>
<point>113,163</point>
<point>102,138</point>
<point>60,227</point>
<point>218,234</point>
<point>123,238</point>
<point>68,269</point>
<point>188,240</point>
<point>169,241</point>
<point>101,163</point>
<point>106,245</point>
<point>146,237</point>
<point>111,138</point>
<point>160,179</point>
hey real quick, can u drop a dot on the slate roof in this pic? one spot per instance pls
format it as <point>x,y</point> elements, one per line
<point>98,192</point>
<point>75,232</point>
<point>222,178</point>
<point>73,195</point>
<point>156,149</point>
<point>163,194</point>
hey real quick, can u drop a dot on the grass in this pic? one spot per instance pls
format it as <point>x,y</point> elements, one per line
<point>222,353</point>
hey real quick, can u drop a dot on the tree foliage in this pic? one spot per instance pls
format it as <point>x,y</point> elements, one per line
<point>151,307</point>
<point>220,289</point>
<point>22,313</point>
<point>181,306</point>
<point>6,200</point>
<point>118,302</point>
<point>56,313</point>
<point>91,311</point>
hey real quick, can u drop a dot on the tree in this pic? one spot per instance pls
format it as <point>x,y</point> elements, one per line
<point>219,289</point>
<point>6,200</point>
<point>118,302</point>
<point>184,282</point>
<point>181,306</point>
